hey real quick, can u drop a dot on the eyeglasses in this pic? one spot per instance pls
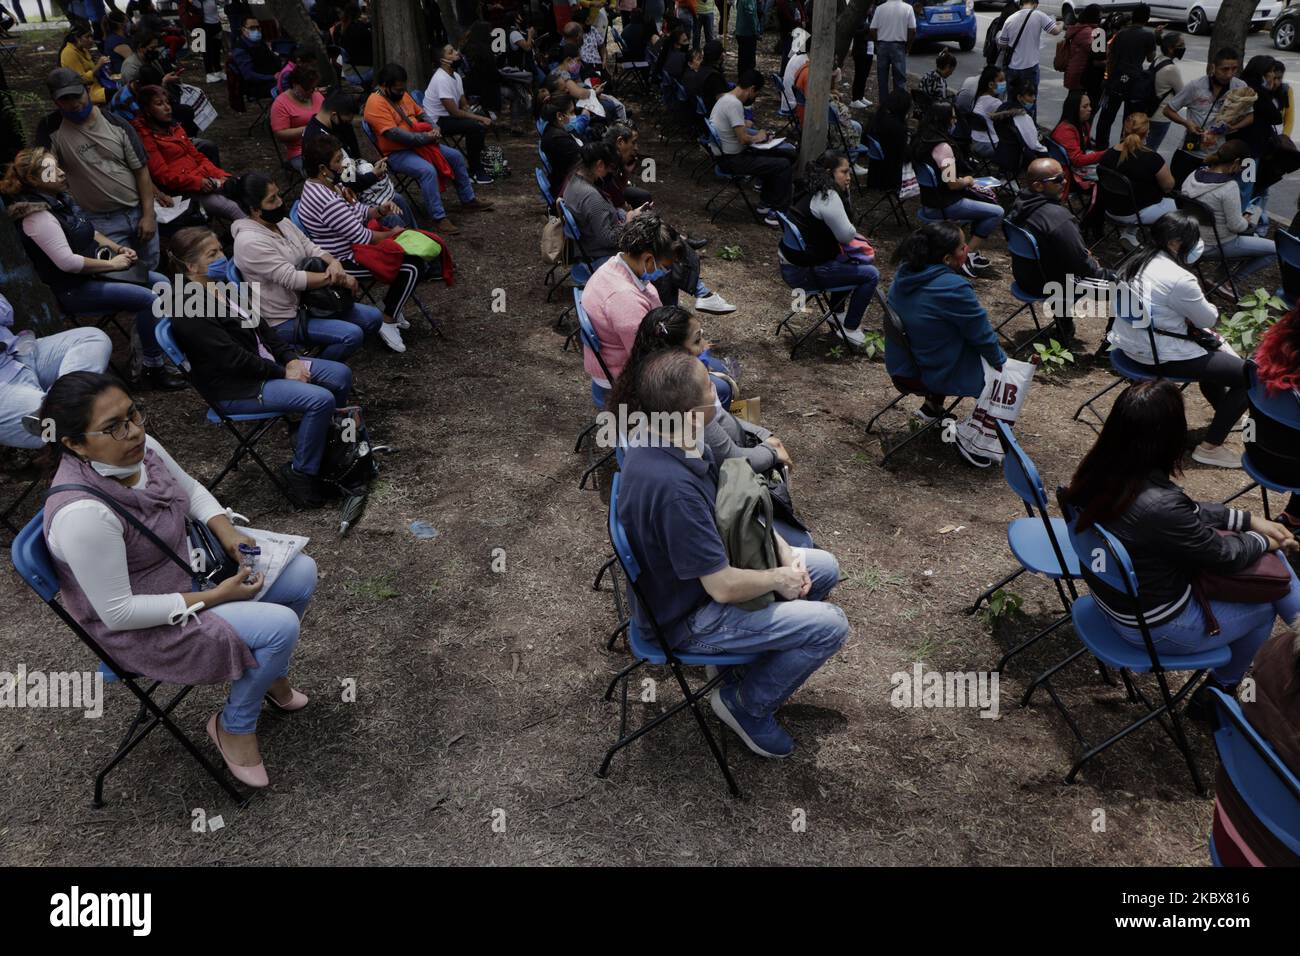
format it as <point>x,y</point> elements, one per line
<point>1060,178</point>
<point>119,430</point>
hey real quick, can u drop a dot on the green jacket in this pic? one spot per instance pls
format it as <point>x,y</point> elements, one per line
<point>747,24</point>
<point>743,511</point>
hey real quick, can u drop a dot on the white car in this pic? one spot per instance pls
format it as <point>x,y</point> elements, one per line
<point>1197,15</point>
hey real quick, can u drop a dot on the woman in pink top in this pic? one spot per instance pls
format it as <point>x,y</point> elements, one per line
<point>294,109</point>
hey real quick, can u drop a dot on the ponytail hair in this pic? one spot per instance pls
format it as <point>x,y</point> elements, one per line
<point>185,245</point>
<point>247,190</point>
<point>928,245</point>
<point>1136,127</point>
<point>819,173</point>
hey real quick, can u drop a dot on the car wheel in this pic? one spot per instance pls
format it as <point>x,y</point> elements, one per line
<point>1198,24</point>
<point>966,44</point>
<point>1284,35</point>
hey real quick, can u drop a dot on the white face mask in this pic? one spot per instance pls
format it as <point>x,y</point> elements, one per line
<point>113,471</point>
<point>1196,251</point>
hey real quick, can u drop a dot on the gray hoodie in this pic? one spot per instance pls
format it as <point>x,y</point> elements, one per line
<point>272,259</point>
<point>1219,192</point>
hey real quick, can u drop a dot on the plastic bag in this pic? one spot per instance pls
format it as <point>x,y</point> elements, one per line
<point>1003,398</point>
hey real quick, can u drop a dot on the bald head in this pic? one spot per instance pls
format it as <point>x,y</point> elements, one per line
<point>1046,176</point>
<point>573,31</point>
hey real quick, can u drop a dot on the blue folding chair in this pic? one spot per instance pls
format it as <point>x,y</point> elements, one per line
<point>580,270</point>
<point>1268,787</point>
<point>822,297</point>
<point>783,111</point>
<point>926,178</point>
<point>259,422</point>
<point>407,184</point>
<point>628,71</point>
<point>1283,408</point>
<point>1023,247</point>
<point>34,563</point>
<point>854,153</point>
<point>875,153</point>
<point>1107,560</point>
<point>1288,264</point>
<point>734,181</point>
<point>654,649</point>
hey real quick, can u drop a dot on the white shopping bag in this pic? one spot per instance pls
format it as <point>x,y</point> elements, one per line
<point>1003,397</point>
<point>204,111</point>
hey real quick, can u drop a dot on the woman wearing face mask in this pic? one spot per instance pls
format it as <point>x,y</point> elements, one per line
<point>175,163</point>
<point>1181,322</point>
<point>134,599</point>
<point>1147,172</point>
<point>336,225</point>
<point>270,250</point>
<point>947,327</point>
<point>80,53</point>
<point>64,248</point>
<point>561,139</point>
<point>1216,185</point>
<point>991,91</point>
<point>242,367</point>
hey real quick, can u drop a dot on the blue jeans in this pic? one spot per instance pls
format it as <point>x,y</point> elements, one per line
<point>891,61</point>
<point>269,627</point>
<point>1029,73</point>
<point>1258,252</point>
<point>77,350</point>
<point>121,227</point>
<point>1243,627</point>
<point>101,296</point>
<point>984,217</point>
<point>707,23</point>
<point>411,164</point>
<point>793,638</point>
<point>1156,134</point>
<point>837,272</point>
<point>315,401</point>
<point>341,337</point>
<point>1149,214</point>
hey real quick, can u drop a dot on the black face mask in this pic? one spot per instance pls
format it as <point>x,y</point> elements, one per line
<point>275,215</point>
<point>393,97</point>
<point>1178,54</point>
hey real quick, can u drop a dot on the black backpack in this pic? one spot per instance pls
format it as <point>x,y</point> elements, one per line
<point>1141,91</point>
<point>349,464</point>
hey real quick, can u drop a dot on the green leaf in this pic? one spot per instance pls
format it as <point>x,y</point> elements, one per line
<point>1275,303</point>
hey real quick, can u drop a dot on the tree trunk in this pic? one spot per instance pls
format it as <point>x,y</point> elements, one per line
<point>450,20</point>
<point>817,100</point>
<point>34,305</point>
<point>294,20</point>
<point>402,36</point>
<point>1230,28</point>
<point>846,23</point>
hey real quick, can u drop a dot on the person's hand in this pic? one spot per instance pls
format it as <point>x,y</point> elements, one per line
<point>164,200</point>
<point>131,254</point>
<point>119,262</point>
<point>782,456</point>
<point>390,208</point>
<point>761,136</point>
<point>148,226</point>
<point>789,583</point>
<point>1279,535</point>
<point>381,168</point>
<point>799,564</point>
<point>348,195</point>
<point>968,181</point>
<point>209,185</point>
<point>171,78</point>
<point>241,586</point>
<point>633,213</point>
<point>233,540</point>
<point>295,371</point>
<point>100,62</point>
<point>485,120</point>
<point>350,284</point>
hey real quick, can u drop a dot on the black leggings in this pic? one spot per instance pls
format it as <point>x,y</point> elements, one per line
<point>399,290</point>
<point>212,59</point>
<point>474,133</point>
<point>1222,378</point>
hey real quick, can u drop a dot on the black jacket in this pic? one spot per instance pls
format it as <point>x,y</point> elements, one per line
<point>225,363</point>
<point>1061,248</point>
<point>562,151</point>
<point>1169,538</point>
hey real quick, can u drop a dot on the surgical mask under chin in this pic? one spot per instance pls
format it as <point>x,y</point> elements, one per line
<point>578,124</point>
<point>1196,252</point>
<point>113,471</point>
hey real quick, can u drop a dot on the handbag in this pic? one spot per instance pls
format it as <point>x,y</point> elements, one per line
<point>908,187</point>
<point>209,563</point>
<point>1263,582</point>
<point>553,244</point>
<point>326,302</point>
<point>416,243</point>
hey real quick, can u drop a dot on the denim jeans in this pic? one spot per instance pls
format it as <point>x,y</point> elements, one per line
<point>793,638</point>
<point>121,226</point>
<point>411,164</point>
<point>341,337</point>
<point>1156,134</point>
<point>891,60</point>
<point>1243,627</point>
<point>77,350</point>
<point>100,296</point>
<point>1258,252</point>
<point>984,217</point>
<point>1148,214</point>
<point>1030,73</point>
<point>315,401</point>
<point>707,23</point>
<point>269,626</point>
<point>837,272</point>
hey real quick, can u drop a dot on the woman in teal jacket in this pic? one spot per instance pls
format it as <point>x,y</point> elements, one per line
<point>947,328</point>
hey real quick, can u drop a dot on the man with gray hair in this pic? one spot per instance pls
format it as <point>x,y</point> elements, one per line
<point>666,504</point>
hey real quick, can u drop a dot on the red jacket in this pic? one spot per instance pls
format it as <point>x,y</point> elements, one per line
<point>175,163</point>
<point>1076,146</point>
<point>1078,39</point>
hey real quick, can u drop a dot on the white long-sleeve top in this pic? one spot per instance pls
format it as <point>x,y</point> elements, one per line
<point>87,536</point>
<point>1173,298</point>
<point>44,230</point>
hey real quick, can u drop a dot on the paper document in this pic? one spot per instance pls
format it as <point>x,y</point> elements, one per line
<point>769,144</point>
<point>277,551</point>
<point>168,213</point>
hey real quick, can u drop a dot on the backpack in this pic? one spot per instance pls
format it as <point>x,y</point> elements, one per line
<point>1061,58</point>
<point>348,464</point>
<point>743,510</point>
<point>1142,88</point>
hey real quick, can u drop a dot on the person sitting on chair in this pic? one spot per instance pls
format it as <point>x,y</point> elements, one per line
<point>773,167</point>
<point>1071,134</point>
<point>294,109</point>
<point>834,253</point>
<point>1126,484</point>
<point>1159,281</point>
<point>445,102</point>
<point>947,326</point>
<point>1147,173</point>
<point>80,54</point>
<point>29,365</point>
<point>561,140</point>
<point>239,365</point>
<point>991,90</point>
<point>270,250</point>
<point>138,603</point>
<point>1063,256</point>
<point>669,483</point>
<point>935,83</point>
<point>256,62</point>
<point>1273,452</point>
<point>1216,186</point>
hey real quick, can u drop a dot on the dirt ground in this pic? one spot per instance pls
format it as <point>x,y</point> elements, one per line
<point>478,721</point>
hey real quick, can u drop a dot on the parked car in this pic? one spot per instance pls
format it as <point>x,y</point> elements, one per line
<point>1286,29</point>
<point>1197,15</point>
<point>953,21</point>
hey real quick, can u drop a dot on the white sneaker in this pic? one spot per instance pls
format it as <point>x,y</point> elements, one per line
<point>392,336</point>
<point>403,322</point>
<point>1130,238</point>
<point>214,77</point>
<point>714,303</point>
<point>1221,457</point>
<point>856,337</point>
<point>862,104</point>
<point>860,170</point>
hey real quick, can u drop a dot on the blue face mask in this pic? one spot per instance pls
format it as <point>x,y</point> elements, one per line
<point>81,114</point>
<point>648,277</point>
<point>217,269</point>
<point>254,36</point>
<point>578,124</point>
<point>1001,88</point>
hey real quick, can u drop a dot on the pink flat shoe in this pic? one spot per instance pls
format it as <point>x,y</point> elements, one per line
<point>254,776</point>
<point>297,701</point>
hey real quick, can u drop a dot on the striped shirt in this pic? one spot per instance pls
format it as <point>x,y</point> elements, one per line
<point>332,224</point>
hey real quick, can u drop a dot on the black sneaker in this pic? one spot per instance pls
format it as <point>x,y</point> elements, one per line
<point>697,244</point>
<point>305,489</point>
<point>160,378</point>
<point>977,267</point>
<point>482,179</point>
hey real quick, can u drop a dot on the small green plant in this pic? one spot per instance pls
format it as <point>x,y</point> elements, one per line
<point>874,344</point>
<point>836,352</point>
<point>1254,317</point>
<point>1053,356</point>
<point>379,588</point>
<point>1003,606</point>
<point>731,254</point>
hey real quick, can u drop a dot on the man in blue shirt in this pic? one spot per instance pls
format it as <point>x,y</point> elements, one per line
<point>666,504</point>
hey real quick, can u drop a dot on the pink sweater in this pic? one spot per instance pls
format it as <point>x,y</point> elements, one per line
<point>616,302</point>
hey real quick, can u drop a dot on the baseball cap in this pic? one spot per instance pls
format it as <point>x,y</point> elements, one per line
<point>64,82</point>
